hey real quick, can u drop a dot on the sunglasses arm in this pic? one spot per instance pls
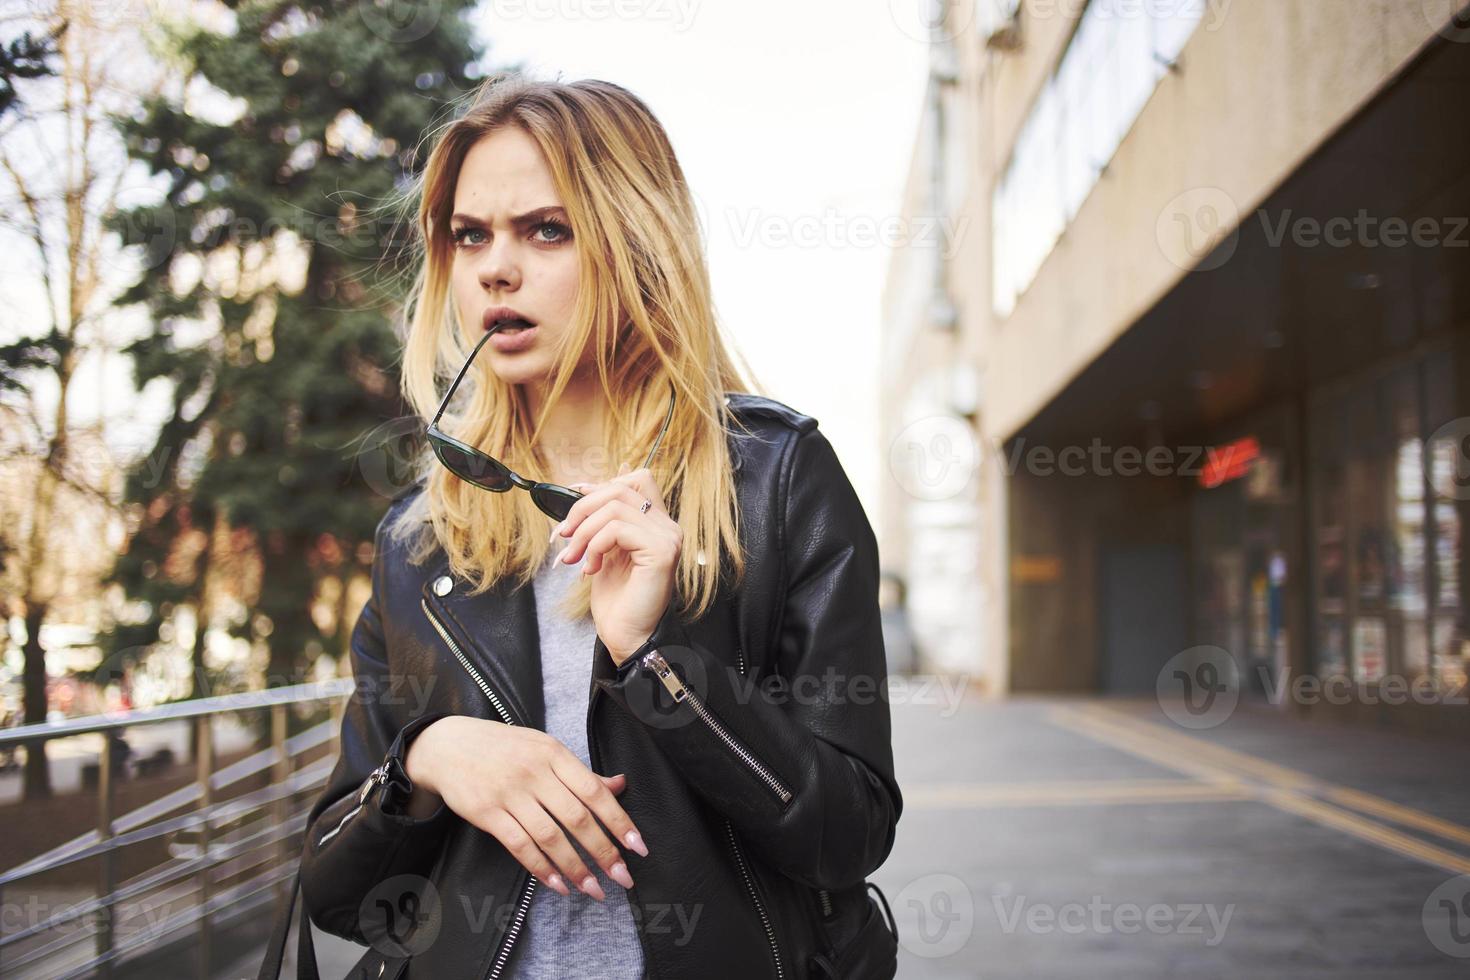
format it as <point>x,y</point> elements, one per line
<point>457,379</point>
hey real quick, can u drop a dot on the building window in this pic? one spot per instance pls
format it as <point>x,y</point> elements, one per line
<point>1446,470</point>
<point>1117,56</point>
<point>1388,583</point>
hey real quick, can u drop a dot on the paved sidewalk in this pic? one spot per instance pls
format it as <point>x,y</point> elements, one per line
<point>1095,838</point>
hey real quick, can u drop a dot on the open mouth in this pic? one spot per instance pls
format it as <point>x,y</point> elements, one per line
<point>513,325</point>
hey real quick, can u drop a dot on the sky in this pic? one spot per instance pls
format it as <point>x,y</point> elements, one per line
<point>794,124</point>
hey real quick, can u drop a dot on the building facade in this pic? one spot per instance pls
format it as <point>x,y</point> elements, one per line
<point>1191,376</point>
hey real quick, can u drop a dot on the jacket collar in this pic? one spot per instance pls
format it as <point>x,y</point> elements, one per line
<point>497,632</point>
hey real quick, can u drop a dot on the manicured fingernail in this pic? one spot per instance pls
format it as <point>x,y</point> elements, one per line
<point>553,534</point>
<point>562,555</point>
<point>561,887</point>
<point>591,887</point>
<point>619,873</point>
<point>635,841</point>
<point>562,529</point>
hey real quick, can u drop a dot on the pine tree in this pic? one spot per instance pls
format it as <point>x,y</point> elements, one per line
<point>273,232</point>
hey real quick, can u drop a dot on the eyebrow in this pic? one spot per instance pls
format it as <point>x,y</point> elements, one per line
<point>520,220</point>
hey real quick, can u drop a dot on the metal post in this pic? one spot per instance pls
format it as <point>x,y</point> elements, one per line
<point>281,810</point>
<point>106,880</point>
<point>203,769</point>
<point>338,710</point>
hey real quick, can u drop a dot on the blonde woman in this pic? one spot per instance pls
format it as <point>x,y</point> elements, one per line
<point>656,744</point>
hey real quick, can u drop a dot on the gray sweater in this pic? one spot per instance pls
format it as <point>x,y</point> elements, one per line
<point>576,936</point>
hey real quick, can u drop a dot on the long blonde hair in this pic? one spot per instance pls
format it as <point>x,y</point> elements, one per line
<point>643,302</point>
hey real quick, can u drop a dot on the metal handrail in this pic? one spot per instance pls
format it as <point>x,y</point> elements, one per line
<point>303,778</point>
<point>176,710</point>
<point>145,817</point>
<point>226,841</point>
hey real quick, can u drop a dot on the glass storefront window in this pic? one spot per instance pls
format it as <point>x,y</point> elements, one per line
<point>1329,447</point>
<point>1241,529</point>
<point>1370,533</point>
<point>1449,479</point>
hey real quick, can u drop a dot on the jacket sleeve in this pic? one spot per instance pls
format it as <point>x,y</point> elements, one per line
<point>357,832</point>
<point>802,767</point>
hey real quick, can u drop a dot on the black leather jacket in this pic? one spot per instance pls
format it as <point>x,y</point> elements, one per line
<point>764,806</point>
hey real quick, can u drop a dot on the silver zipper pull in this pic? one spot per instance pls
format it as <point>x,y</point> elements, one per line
<point>654,661</point>
<point>378,777</point>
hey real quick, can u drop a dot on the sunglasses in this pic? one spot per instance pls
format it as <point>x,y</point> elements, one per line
<point>488,473</point>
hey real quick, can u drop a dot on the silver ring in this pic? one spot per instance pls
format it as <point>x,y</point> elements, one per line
<point>646,504</point>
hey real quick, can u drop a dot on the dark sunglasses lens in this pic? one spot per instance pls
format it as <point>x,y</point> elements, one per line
<point>557,503</point>
<point>478,469</point>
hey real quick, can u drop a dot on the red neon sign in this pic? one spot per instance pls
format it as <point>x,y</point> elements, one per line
<point>1229,462</point>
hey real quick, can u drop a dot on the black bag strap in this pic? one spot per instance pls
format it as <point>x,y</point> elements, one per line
<point>270,967</point>
<point>889,920</point>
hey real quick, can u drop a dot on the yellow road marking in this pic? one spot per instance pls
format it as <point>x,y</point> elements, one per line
<point>1290,778</point>
<point>1409,817</point>
<point>1068,793</point>
<point>1269,772</point>
<point>1368,830</point>
<point>1152,749</point>
<point>1286,789</point>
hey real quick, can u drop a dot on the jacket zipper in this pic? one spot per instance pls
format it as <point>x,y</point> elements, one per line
<point>465,663</point>
<point>755,897</point>
<point>826,903</point>
<point>378,776</point>
<point>523,904</point>
<point>654,661</point>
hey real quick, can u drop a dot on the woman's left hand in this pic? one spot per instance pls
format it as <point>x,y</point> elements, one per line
<point>631,556</point>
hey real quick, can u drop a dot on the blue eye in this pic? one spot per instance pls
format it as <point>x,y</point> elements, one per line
<point>560,233</point>
<point>562,229</point>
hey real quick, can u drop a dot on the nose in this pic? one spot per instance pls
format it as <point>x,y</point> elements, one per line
<point>498,268</point>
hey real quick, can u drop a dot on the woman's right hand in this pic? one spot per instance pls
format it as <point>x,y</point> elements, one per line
<point>510,781</point>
